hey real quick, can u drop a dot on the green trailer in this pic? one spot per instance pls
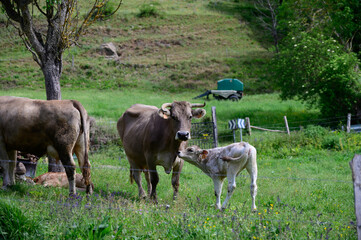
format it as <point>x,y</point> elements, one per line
<point>228,88</point>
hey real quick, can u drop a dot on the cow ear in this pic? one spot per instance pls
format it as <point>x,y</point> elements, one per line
<point>198,113</point>
<point>163,114</point>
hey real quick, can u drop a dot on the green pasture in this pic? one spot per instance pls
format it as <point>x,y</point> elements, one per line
<point>305,189</point>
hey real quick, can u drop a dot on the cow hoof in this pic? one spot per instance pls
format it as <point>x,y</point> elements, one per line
<point>89,190</point>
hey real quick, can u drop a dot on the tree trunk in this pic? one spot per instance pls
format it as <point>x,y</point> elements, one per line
<point>52,71</point>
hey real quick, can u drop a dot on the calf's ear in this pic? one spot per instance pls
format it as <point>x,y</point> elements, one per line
<point>204,154</point>
<point>198,113</point>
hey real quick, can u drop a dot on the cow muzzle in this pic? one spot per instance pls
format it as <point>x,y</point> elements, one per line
<point>183,135</point>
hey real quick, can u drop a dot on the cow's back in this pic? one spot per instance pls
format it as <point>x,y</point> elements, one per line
<point>135,120</point>
<point>32,125</point>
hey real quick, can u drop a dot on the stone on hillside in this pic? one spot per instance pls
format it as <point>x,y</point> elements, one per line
<point>109,50</point>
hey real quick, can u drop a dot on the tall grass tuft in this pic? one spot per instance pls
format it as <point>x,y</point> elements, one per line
<point>14,224</point>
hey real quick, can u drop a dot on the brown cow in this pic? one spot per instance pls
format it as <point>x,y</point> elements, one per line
<point>58,128</point>
<point>153,136</point>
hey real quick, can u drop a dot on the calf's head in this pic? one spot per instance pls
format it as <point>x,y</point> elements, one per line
<point>193,154</point>
<point>180,114</point>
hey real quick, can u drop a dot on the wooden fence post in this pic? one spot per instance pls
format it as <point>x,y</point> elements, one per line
<point>287,128</point>
<point>355,165</point>
<point>215,130</point>
<point>348,128</point>
<point>248,125</point>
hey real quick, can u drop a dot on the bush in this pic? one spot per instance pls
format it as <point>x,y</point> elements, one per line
<point>149,10</point>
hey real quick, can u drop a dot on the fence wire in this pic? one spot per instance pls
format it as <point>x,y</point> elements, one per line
<point>127,169</point>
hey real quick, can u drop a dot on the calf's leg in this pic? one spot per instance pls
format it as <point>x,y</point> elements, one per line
<point>231,176</point>
<point>218,183</point>
<point>177,168</point>
<point>252,170</point>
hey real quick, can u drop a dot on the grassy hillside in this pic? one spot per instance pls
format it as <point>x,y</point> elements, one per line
<point>190,46</point>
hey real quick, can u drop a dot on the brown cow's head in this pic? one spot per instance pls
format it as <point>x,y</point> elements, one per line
<point>181,114</point>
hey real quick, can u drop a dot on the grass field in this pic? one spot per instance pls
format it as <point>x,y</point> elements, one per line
<point>305,187</point>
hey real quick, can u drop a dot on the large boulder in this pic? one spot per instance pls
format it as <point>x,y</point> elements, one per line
<point>109,50</point>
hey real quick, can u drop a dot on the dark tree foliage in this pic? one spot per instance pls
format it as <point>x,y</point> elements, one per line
<point>317,62</point>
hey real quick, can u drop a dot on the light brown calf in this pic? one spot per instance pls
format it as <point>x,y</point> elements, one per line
<point>59,179</point>
<point>222,162</point>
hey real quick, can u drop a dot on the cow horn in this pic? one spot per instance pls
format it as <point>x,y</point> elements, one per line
<point>164,108</point>
<point>194,105</point>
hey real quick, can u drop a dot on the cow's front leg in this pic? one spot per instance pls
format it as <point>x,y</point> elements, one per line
<point>218,183</point>
<point>149,184</point>
<point>12,166</point>
<point>154,179</point>
<point>6,164</point>
<point>177,168</point>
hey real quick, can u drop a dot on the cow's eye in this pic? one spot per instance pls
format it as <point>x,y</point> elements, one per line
<point>190,150</point>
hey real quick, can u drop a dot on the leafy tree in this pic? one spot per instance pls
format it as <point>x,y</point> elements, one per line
<point>316,69</point>
<point>339,19</point>
<point>49,27</point>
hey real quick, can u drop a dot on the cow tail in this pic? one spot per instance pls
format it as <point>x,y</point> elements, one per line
<point>86,164</point>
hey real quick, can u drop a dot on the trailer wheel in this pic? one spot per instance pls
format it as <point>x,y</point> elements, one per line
<point>233,98</point>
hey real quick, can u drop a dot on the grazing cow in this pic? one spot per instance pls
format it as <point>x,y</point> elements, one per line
<point>222,162</point>
<point>153,136</point>
<point>58,128</point>
<point>59,179</point>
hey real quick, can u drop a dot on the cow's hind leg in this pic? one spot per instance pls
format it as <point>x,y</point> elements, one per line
<point>136,174</point>
<point>69,166</point>
<point>177,168</point>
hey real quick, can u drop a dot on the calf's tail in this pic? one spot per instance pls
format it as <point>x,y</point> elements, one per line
<point>244,155</point>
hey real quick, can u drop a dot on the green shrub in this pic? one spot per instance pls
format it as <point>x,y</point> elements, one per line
<point>149,10</point>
